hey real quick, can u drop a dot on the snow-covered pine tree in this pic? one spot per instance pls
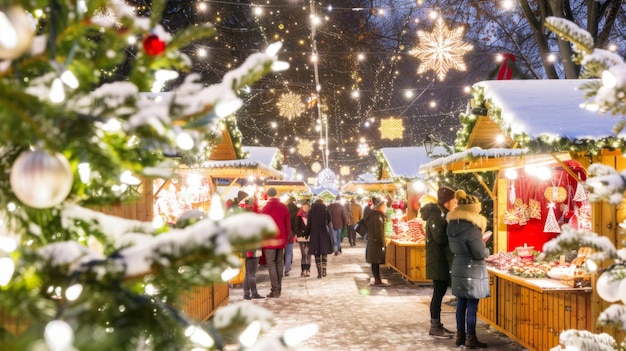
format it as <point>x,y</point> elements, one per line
<point>606,95</point>
<point>77,132</point>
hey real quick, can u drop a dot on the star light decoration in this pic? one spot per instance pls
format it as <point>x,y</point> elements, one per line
<point>441,50</point>
<point>290,105</point>
<point>344,170</point>
<point>391,128</point>
<point>305,147</point>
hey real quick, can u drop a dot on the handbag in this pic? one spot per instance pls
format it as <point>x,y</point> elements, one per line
<point>360,227</point>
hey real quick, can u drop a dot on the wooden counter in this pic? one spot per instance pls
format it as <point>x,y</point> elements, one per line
<point>409,259</point>
<point>534,312</point>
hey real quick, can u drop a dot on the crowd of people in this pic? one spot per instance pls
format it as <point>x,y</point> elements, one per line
<point>455,248</point>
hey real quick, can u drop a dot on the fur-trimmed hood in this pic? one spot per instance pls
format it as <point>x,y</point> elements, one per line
<point>476,219</point>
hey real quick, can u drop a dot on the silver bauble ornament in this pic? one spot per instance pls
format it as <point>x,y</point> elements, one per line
<point>608,283</point>
<point>40,179</point>
<point>17,29</point>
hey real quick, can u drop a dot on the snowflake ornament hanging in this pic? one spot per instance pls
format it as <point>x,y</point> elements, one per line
<point>391,128</point>
<point>290,105</point>
<point>441,50</point>
<point>305,147</point>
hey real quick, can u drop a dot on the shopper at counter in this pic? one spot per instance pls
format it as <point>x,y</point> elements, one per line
<point>470,281</point>
<point>438,255</point>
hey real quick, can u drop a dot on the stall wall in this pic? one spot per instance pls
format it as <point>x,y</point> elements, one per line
<point>535,209</point>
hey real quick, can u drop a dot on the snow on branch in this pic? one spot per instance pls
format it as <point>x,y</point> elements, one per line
<point>586,340</point>
<point>582,40</point>
<point>141,252</point>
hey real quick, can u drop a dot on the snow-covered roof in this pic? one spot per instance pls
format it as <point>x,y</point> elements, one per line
<point>474,152</point>
<point>547,107</point>
<point>405,161</point>
<point>261,154</point>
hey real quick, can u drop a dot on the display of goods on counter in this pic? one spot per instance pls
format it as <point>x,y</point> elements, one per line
<point>577,278</point>
<point>409,231</point>
<point>532,269</point>
<point>502,260</point>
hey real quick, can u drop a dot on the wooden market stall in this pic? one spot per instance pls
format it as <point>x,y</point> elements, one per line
<point>407,254</point>
<point>297,188</point>
<point>528,208</point>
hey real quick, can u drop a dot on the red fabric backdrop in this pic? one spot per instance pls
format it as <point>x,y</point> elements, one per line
<point>527,187</point>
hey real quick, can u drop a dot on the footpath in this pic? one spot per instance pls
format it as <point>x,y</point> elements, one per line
<point>353,316</point>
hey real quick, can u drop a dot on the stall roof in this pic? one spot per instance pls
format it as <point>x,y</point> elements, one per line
<point>536,107</point>
<point>405,161</point>
<point>547,107</point>
<point>265,155</point>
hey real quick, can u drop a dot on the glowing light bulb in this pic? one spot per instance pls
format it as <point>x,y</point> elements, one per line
<point>200,337</point>
<point>228,107</point>
<point>184,141</point>
<point>69,79</point>
<point>216,211</point>
<point>250,335</point>
<point>57,93</point>
<point>59,336</point>
<point>295,336</point>
<point>84,172</point>
<point>608,79</point>
<point>230,273</point>
<point>73,292</point>
<point>7,267</point>
<point>7,244</point>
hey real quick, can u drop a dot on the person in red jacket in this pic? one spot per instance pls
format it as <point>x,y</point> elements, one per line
<point>274,249</point>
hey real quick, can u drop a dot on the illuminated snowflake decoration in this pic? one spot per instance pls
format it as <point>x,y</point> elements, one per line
<point>290,105</point>
<point>344,170</point>
<point>327,179</point>
<point>441,50</point>
<point>363,150</point>
<point>305,147</point>
<point>391,128</point>
<point>316,167</point>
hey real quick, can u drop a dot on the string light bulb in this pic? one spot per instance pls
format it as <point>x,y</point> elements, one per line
<point>59,336</point>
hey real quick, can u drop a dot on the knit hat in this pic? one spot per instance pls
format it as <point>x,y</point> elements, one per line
<point>444,194</point>
<point>271,192</point>
<point>466,202</point>
<point>241,195</point>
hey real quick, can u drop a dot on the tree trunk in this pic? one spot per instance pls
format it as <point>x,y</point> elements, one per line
<point>565,49</point>
<point>539,32</point>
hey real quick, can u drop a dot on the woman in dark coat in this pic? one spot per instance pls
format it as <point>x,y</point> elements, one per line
<point>320,239</point>
<point>470,281</point>
<point>375,250</point>
<point>438,255</point>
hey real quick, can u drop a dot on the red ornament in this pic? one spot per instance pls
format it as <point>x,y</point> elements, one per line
<point>153,45</point>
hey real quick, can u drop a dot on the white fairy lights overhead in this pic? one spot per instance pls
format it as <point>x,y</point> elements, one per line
<point>441,50</point>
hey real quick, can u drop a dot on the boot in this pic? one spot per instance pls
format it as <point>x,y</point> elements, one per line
<point>324,263</point>
<point>303,270</point>
<point>319,269</point>
<point>460,338</point>
<point>436,330</point>
<point>471,342</point>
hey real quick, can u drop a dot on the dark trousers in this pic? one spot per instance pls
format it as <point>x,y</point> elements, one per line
<point>275,261</point>
<point>466,313</point>
<point>439,290</point>
<point>249,279</point>
<point>376,270</point>
<point>351,235</point>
